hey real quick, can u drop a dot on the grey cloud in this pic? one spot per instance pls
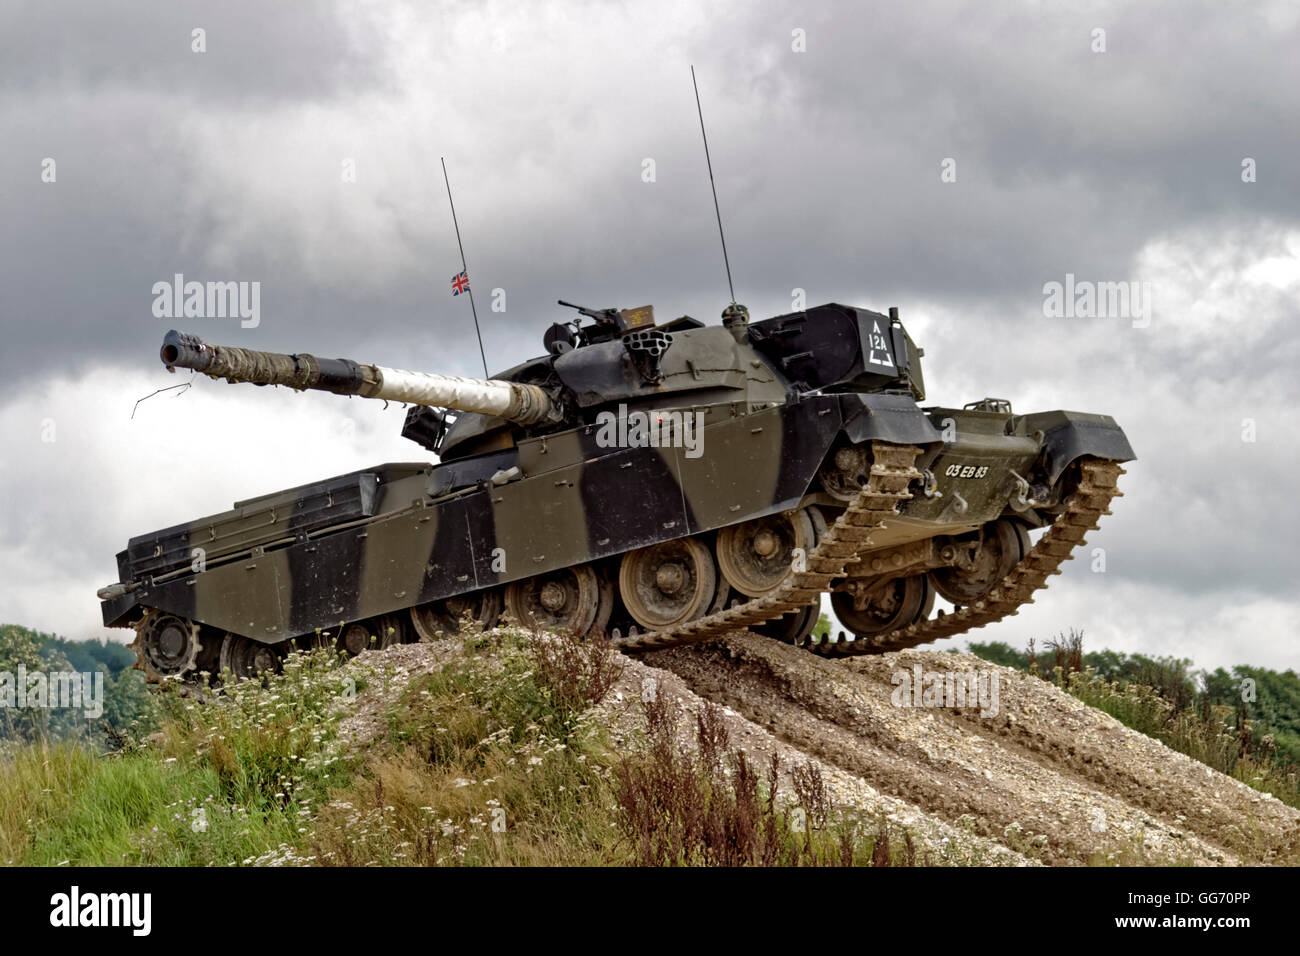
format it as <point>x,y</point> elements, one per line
<point>827,161</point>
<point>828,176</point>
<point>255,52</point>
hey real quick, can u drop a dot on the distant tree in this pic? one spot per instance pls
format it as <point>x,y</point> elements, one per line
<point>126,698</point>
<point>998,652</point>
<point>1271,708</point>
<point>19,647</point>
<point>89,655</point>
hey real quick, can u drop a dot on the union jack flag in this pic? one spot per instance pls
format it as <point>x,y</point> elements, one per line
<point>460,283</point>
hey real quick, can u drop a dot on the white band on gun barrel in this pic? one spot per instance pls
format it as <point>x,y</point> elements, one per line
<point>526,404</point>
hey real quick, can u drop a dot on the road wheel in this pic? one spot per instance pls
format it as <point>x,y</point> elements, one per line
<point>482,607</point>
<point>793,628</point>
<point>668,584</point>
<point>1005,542</point>
<point>570,599</point>
<point>167,645</point>
<point>244,658</point>
<point>901,602</point>
<point>372,634</point>
<point>755,555</point>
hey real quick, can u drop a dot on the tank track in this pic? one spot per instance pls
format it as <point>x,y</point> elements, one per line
<point>1083,509</point>
<point>891,473</point>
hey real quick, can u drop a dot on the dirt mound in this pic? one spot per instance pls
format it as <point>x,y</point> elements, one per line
<point>1045,764</point>
<point>1032,775</point>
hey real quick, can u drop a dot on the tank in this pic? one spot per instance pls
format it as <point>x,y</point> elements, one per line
<point>661,483</point>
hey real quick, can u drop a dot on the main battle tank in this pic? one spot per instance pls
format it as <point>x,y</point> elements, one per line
<point>662,483</point>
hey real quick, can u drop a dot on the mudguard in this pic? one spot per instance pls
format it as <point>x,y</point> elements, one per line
<point>894,418</point>
<point>1068,436</point>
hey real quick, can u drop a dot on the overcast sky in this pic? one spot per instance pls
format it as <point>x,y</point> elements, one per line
<point>830,126</point>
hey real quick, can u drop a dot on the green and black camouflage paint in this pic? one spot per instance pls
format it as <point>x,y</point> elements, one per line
<point>777,400</point>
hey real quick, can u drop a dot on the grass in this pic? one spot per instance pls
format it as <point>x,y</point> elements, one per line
<point>494,759</point>
<point>134,810</point>
<point>1210,738</point>
<point>499,757</point>
<point>1162,705</point>
<point>709,806</point>
<point>226,780</point>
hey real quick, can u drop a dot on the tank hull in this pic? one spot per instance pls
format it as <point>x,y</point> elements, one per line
<point>390,538</point>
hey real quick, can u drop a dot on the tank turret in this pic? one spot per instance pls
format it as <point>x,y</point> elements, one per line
<point>620,358</point>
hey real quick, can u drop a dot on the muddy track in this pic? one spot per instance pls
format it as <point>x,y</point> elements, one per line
<point>1046,764</point>
<point>1046,779</point>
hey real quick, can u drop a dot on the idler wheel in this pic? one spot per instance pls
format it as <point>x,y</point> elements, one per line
<point>1005,543</point>
<point>446,615</point>
<point>903,601</point>
<point>244,658</point>
<point>168,645</point>
<point>571,599</point>
<point>755,555</point>
<point>667,584</point>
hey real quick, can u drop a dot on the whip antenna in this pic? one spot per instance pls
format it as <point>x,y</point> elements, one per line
<point>464,268</point>
<point>725,261</point>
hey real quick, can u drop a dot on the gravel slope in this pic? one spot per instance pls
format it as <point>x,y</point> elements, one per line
<point>1047,763</point>
<point>1047,780</point>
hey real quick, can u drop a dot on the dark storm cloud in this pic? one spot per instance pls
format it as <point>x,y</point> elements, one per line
<point>225,166</point>
<point>1066,158</point>
<point>828,161</point>
<point>255,51</point>
<point>106,90</point>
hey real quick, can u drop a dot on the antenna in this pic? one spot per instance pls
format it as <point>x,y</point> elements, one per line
<point>725,261</point>
<point>464,267</point>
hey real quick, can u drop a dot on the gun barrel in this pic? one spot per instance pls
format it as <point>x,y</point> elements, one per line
<point>516,401</point>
